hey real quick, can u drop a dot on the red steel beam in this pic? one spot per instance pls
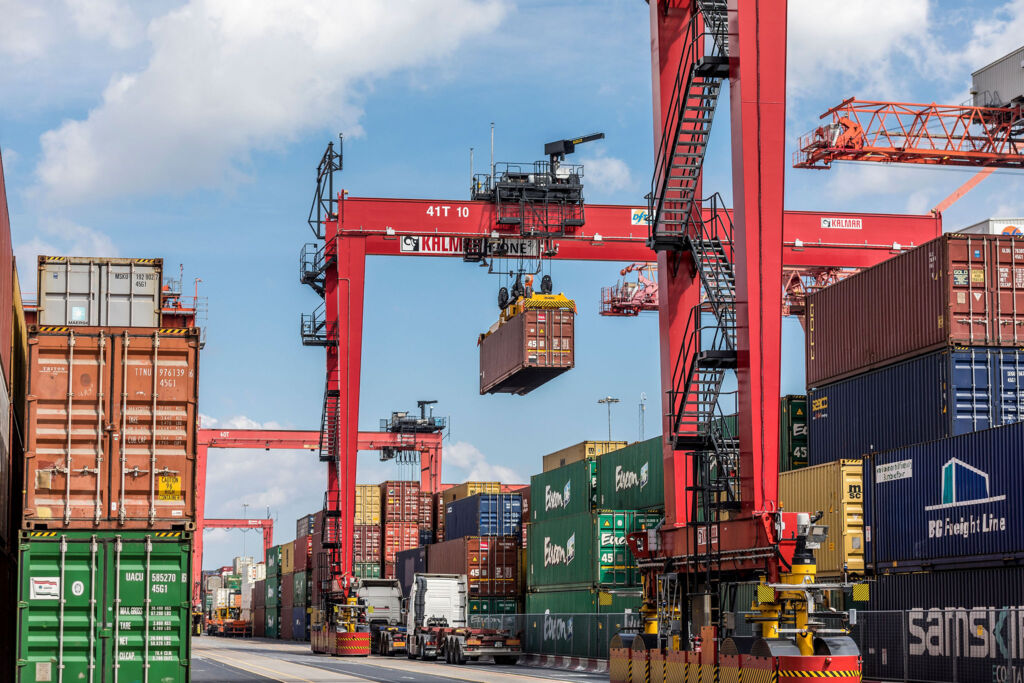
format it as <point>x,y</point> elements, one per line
<point>265,525</point>
<point>900,132</point>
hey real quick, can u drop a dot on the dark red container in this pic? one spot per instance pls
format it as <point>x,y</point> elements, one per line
<point>302,560</point>
<point>259,594</point>
<point>366,543</point>
<point>388,571</point>
<point>527,350</point>
<point>426,510</point>
<point>490,563</point>
<point>399,536</point>
<point>286,623</point>
<point>438,507</point>
<point>399,501</point>
<point>259,622</point>
<point>959,289</point>
<point>287,591</point>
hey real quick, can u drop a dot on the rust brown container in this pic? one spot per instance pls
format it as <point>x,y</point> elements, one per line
<point>366,543</point>
<point>957,289</point>
<point>528,349</point>
<point>111,434</point>
<point>399,501</point>
<point>490,563</point>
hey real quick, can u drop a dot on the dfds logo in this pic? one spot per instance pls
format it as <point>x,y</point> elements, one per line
<point>639,217</point>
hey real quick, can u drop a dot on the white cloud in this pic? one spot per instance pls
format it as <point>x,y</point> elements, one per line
<point>111,21</point>
<point>870,179</point>
<point>226,79</point>
<point>236,422</point>
<point>607,174</point>
<point>61,236</point>
<point>854,42</point>
<point>473,465</point>
<point>26,30</point>
<point>995,35</point>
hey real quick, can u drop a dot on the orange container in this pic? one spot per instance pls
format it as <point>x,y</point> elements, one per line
<point>111,433</point>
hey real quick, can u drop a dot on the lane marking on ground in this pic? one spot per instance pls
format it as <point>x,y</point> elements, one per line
<point>288,678</point>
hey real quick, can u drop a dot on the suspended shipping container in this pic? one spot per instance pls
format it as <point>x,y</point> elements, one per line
<point>485,514</point>
<point>632,478</point>
<point>102,606</point>
<point>952,502</point>
<point>584,450</point>
<point>531,344</point>
<point>959,289</point>
<point>585,550</point>
<point>368,504</point>
<point>111,429</point>
<point>836,489</point>
<point>399,501</point>
<point>968,621</point>
<point>944,393</point>
<point>99,292</point>
<point>567,490</point>
<point>490,563</point>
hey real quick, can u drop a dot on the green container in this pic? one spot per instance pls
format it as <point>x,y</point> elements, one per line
<point>273,592</point>
<point>272,623</point>
<point>59,625</point>
<point>367,570</point>
<point>301,584</point>
<point>577,623</point>
<point>632,478</point>
<point>585,550</point>
<point>567,490</point>
<point>233,582</point>
<point>493,606</point>
<point>792,433</point>
<point>274,561</point>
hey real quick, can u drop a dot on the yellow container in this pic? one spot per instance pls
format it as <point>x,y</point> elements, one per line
<point>836,488</point>
<point>288,558</point>
<point>367,504</point>
<point>470,488</point>
<point>584,450</point>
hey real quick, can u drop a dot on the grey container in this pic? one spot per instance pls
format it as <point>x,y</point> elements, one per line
<point>1001,83</point>
<point>99,292</point>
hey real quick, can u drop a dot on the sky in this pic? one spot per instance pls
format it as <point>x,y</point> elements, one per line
<point>190,130</point>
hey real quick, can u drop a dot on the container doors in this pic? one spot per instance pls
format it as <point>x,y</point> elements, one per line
<point>970,272</point>
<point>1009,392</point>
<point>1008,289</point>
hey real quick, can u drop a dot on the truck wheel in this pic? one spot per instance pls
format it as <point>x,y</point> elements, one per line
<point>460,658</point>
<point>382,647</point>
<point>448,652</point>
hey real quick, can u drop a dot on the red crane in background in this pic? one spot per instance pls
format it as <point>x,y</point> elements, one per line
<point>265,525</point>
<point>626,298</point>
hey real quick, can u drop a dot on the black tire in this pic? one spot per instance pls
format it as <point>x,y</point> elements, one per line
<point>546,286</point>
<point>503,298</point>
<point>447,654</point>
<point>460,658</point>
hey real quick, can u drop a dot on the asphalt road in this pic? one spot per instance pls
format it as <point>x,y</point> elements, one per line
<point>216,660</point>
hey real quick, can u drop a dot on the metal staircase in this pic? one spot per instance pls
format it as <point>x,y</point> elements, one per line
<point>706,362</point>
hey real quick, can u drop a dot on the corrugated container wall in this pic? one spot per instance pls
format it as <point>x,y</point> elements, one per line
<point>584,450</point>
<point>837,489</point>
<point>274,561</point>
<point>399,501</point>
<point>572,623</point>
<point>944,393</point>
<point>467,489</point>
<point>130,440</point>
<point>632,478</point>
<point>793,416</point>
<point>490,563</point>
<point>56,573</point>
<point>305,526</point>
<point>585,550</point>
<point>1001,83</point>
<point>99,292</point>
<point>957,289</point>
<point>408,563</point>
<point>972,615</point>
<point>365,570</point>
<point>567,490</point>
<point>367,504</point>
<point>485,514</point>
<point>527,350</point>
<point>288,557</point>
<point>952,502</point>
<point>366,543</point>
<point>396,537</point>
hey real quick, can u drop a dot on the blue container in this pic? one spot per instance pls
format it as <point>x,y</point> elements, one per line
<point>408,563</point>
<point>945,393</point>
<point>300,623</point>
<point>956,502</point>
<point>485,514</point>
<point>426,536</point>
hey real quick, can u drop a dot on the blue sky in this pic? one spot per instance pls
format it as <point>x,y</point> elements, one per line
<point>190,130</point>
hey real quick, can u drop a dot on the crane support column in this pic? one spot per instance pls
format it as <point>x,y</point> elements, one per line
<point>757,92</point>
<point>678,288</point>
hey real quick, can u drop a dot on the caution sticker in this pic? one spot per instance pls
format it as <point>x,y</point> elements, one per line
<point>169,487</point>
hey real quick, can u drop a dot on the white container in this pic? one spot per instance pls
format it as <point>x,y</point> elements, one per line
<point>997,226</point>
<point>112,292</point>
<point>256,572</point>
<point>222,599</point>
<point>1001,83</point>
<point>241,565</point>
